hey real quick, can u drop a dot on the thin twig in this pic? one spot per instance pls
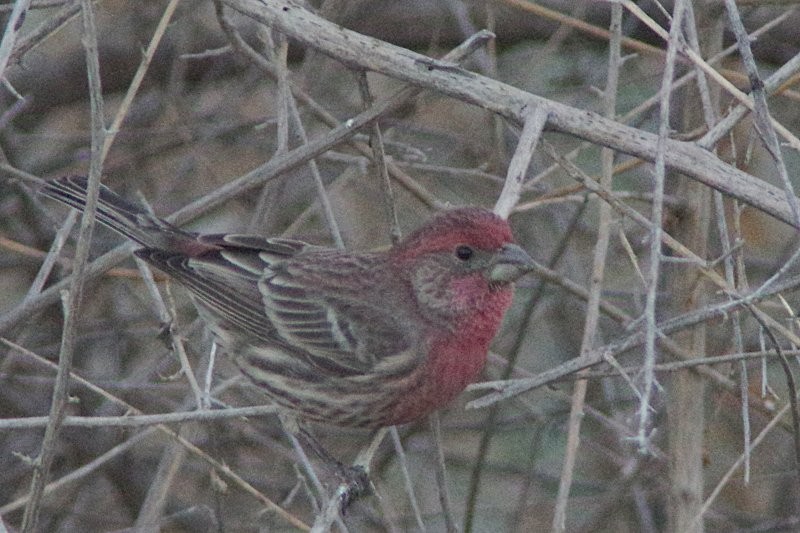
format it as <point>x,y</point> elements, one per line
<point>52,256</point>
<point>379,161</point>
<point>534,122</point>
<point>279,52</point>
<point>791,385</point>
<point>74,297</point>
<point>138,76</point>
<point>711,119</point>
<point>409,486</point>
<point>203,415</point>
<point>169,308</point>
<point>155,500</point>
<point>45,30</point>
<point>656,230</point>
<point>441,474</point>
<point>763,119</point>
<point>597,278</point>
<point>13,27</point>
<point>677,366</point>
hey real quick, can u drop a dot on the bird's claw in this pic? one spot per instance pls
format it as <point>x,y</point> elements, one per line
<point>354,483</point>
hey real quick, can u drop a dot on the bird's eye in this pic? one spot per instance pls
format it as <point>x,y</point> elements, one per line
<point>464,252</point>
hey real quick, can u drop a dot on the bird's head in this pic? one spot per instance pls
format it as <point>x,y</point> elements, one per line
<point>463,260</point>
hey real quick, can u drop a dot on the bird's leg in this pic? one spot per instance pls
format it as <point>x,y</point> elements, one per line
<point>348,490</point>
<point>354,480</point>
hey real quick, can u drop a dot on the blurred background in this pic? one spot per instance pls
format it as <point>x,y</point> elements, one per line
<point>208,113</point>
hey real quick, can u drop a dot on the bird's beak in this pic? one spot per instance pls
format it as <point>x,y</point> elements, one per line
<point>509,264</point>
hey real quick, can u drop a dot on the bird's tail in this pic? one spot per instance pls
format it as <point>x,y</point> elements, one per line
<point>131,220</point>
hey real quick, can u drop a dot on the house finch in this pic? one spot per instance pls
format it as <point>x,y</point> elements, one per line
<point>346,338</point>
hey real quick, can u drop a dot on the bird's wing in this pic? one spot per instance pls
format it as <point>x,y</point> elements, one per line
<point>273,290</point>
<point>332,309</point>
<point>224,277</point>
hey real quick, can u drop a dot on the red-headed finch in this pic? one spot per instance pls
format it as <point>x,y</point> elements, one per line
<point>345,338</point>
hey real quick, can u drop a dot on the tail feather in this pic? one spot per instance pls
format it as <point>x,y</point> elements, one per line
<point>129,219</point>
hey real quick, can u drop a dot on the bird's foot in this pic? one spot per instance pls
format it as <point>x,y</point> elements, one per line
<point>353,483</point>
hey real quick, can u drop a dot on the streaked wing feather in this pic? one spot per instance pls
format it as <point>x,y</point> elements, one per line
<point>317,308</point>
<point>225,297</point>
<point>306,320</point>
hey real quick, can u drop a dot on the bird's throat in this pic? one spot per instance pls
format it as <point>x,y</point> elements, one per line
<point>456,358</point>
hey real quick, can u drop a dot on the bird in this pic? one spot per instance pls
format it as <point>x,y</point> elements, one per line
<point>366,339</point>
